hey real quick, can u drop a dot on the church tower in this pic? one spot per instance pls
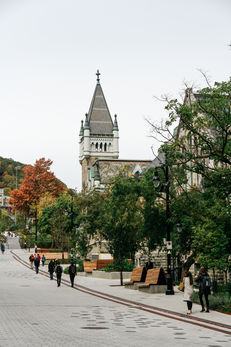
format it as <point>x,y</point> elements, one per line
<point>99,135</point>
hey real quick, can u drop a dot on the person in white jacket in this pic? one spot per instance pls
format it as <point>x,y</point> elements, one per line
<point>188,291</point>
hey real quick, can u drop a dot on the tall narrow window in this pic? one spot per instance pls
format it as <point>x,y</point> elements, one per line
<point>96,146</point>
<point>105,147</point>
<point>101,147</point>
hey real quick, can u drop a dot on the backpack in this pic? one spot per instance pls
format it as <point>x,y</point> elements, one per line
<point>206,282</point>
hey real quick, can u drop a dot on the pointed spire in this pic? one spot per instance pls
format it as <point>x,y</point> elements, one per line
<point>115,125</point>
<point>98,74</point>
<point>99,118</point>
<point>86,124</point>
<point>81,129</point>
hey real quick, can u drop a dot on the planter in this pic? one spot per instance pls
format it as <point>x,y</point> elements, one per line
<point>110,275</point>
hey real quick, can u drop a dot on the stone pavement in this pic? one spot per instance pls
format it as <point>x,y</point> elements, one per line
<point>33,311</point>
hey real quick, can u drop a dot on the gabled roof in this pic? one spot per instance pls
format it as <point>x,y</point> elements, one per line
<point>99,117</point>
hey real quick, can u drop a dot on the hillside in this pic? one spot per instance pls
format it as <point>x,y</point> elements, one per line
<point>8,174</point>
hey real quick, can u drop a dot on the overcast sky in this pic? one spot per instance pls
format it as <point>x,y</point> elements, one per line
<point>50,51</point>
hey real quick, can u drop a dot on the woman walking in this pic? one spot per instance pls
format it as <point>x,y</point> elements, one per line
<point>188,290</point>
<point>204,287</point>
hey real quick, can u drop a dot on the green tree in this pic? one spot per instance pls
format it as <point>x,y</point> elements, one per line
<point>122,219</point>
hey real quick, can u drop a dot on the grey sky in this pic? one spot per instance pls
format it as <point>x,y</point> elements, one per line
<point>50,51</point>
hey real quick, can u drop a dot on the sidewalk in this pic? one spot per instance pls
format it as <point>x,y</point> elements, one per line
<point>169,302</point>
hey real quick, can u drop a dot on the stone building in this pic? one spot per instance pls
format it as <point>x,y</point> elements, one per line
<point>99,145</point>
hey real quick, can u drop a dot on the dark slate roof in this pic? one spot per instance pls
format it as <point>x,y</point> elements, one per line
<point>99,117</point>
<point>157,162</point>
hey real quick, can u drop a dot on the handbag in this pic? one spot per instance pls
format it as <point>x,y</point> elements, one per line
<point>181,286</point>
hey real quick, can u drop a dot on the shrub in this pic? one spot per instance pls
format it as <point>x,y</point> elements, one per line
<point>221,301</point>
<point>127,266</point>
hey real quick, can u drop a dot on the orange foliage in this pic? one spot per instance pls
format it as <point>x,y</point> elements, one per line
<point>38,181</point>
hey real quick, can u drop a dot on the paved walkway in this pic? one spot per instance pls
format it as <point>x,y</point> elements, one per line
<point>35,312</point>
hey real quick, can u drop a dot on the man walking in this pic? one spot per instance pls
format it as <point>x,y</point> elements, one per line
<point>59,271</point>
<point>72,272</point>
<point>36,264</point>
<point>51,268</point>
<point>31,259</point>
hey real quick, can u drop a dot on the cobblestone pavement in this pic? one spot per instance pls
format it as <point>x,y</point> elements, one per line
<point>35,312</point>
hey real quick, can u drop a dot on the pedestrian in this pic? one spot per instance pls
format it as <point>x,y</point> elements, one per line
<point>38,255</point>
<point>35,249</point>
<point>31,259</point>
<point>2,248</point>
<point>59,271</point>
<point>43,260</point>
<point>51,268</point>
<point>37,264</point>
<point>72,272</point>
<point>204,287</point>
<point>188,290</point>
<point>149,264</point>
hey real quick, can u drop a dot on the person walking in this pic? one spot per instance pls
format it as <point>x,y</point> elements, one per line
<point>31,259</point>
<point>72,272</point>
<point>188,290</point>
<point>43,260</point>
<point>51,268</point>
<point>59,271</point>
<point>37,264</point>
<point>2,248</point>
<point>149,264</point>
<point>204,287</point>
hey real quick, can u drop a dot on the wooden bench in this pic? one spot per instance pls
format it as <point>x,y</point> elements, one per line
<point>53,256</point>
<point>155,281</point>
<point>138,276</point>
<point>89,266</point>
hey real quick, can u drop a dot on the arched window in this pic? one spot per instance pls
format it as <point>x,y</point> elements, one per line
<point>105,147</point>
<point>96,146</point>
<point>101,147</point>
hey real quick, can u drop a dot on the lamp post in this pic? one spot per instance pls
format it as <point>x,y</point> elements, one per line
<point>161,163</point>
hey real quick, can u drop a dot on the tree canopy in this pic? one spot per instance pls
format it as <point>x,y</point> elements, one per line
<point>38,181</point>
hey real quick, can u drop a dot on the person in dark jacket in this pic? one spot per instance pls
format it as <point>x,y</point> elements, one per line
<point>59,271</point>
<point>37,264</point>
<point>204,287</point>
<point>51,268</point>
<point>72,272</point>
<point>2,248</point>
<point>43,260</point>
<point>149,264</point>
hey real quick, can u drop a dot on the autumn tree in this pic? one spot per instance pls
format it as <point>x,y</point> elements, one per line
<point>38,181</point>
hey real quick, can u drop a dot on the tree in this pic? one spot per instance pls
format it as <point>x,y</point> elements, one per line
<point>201,143</point>
<point>122,219</point>
<point>57,221</point>
<point>202,140</point>
<point>38,181</point>
<point>5,221</point>
<point>153,228</point>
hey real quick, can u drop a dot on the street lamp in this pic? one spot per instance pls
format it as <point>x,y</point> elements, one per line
<point>160,162</point>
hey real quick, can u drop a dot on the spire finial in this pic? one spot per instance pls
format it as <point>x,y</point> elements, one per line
<point>98,74</point>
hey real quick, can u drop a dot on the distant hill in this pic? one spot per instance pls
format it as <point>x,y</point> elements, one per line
<point>8,174</point>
